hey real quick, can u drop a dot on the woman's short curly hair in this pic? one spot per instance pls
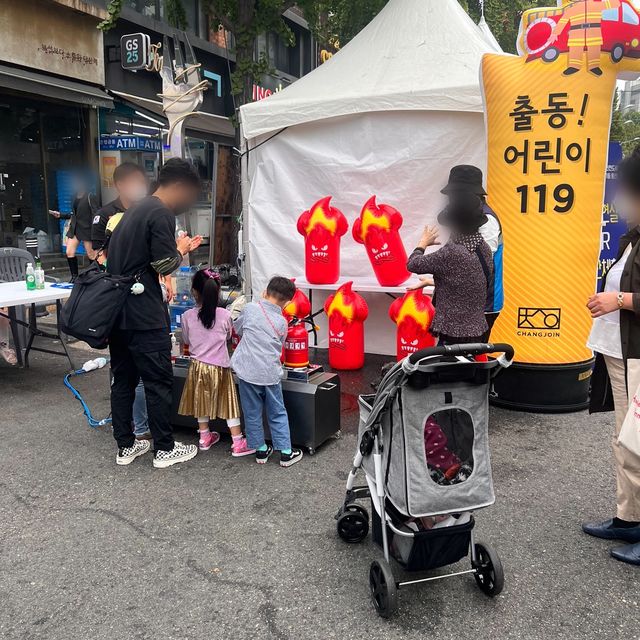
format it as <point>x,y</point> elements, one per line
<point>629,172</point>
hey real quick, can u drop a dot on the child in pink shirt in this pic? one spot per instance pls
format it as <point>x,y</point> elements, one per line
<point>210,391</point>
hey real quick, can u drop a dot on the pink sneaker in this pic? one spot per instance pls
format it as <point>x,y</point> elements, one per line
<point>241,449</point>
<point>207,440</point>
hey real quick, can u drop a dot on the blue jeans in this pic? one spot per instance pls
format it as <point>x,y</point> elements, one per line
<point>140,417</point>
<point>257,400</point>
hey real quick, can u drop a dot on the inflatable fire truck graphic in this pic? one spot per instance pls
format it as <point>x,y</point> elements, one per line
<point>579,27</point>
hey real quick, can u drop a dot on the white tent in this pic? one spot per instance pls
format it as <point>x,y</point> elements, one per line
<point>487,34</point>
<point>388,115</point>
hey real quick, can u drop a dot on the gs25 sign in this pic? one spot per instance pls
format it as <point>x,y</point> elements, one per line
<point>134,51</point>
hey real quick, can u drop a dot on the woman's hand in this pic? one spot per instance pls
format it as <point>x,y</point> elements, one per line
<point>429,237</point>
<point>603,303</point>
<point>426,281</point>
<point>55,214</point>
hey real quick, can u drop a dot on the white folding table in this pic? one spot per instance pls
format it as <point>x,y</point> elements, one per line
<point>364,284</point>
<point>15,294</point>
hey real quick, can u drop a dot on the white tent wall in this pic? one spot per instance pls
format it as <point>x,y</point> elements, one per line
<point>402,157</point>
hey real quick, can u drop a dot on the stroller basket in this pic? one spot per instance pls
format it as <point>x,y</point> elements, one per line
<point>426,550</point>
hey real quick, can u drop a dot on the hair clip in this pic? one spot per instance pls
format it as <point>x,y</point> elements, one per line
<point>212,274</point>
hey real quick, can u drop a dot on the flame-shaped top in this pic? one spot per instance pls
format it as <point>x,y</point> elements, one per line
<point>323,215</point>
<point>414,305</point>
<point>375,216</point>
<point>299,307</point>
<point>347,304</point>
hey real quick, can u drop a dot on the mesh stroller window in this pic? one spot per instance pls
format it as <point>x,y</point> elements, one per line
<point>448,445</point>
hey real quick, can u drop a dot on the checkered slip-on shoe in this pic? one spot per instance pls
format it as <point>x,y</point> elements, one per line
<point>179,453</point>
<point>129,454</point>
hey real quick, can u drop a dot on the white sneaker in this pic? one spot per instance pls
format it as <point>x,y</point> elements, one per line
<point>179,453</point>
<point>129,454</point>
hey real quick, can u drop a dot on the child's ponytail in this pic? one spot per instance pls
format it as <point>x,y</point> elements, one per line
<point>206,283</point>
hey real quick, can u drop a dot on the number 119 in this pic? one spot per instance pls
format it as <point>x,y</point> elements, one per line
<point>563,196</point>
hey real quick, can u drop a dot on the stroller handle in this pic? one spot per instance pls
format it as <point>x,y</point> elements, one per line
<point>475,349</point>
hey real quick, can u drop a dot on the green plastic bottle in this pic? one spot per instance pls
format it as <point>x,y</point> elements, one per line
<point>30,277</point>
<point>39,273</point>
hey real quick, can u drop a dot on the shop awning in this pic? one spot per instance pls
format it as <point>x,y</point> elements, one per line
<point>52,87</point>
<point>200,121</point>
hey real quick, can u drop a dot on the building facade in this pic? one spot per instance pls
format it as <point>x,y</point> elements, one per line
<point>51,87</point>
<point>66,103</point>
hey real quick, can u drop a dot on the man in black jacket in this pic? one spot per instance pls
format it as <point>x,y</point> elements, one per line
<point>130,182</point>
<point>143,244</point>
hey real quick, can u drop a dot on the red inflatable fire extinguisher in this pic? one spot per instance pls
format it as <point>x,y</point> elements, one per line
<point>413,315</point>
<point>347,312</point>
<point>322,227</point>
<point>378,229</point>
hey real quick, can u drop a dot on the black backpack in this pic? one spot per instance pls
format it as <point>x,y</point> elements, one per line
<point>94,305</point>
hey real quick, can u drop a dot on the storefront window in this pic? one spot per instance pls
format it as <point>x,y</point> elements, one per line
<point>38,141</point>
<point>211,159</point>
<point>21,175</point>
<point>128,135</point>
<point>201,155</point>
<point>64,151</point>
<point>192,11</point>
<point>149,8</point>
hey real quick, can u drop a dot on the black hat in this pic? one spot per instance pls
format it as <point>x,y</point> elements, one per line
<point>465,177</point>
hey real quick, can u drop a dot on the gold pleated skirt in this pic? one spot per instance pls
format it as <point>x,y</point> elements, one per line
<point>209,391</point>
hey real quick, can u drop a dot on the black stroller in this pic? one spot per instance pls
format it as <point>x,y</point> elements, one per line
<point>424,449</point>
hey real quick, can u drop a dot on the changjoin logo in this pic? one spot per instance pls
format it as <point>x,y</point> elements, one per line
<point>539,322</point>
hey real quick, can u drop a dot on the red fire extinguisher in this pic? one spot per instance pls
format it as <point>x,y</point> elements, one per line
<point>235,340</point>
<point>296,345</point>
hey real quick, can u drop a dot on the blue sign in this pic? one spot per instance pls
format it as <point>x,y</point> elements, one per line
<point>130,143</point>
<point>215,77</point>
<point>612,225</point>
<point>64,186</point>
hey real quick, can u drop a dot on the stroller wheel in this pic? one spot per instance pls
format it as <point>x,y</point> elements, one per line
<point>353,524</point>
<point>384,593</point>
<point>489,573</point>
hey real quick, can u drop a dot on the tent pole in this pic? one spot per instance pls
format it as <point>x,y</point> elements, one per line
<point>243,236</point>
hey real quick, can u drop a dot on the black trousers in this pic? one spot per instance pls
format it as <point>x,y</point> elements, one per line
<point>142,355</point>
<point>491,318</point>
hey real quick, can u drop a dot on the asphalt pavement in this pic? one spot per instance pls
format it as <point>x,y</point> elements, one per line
<point>226,549</point>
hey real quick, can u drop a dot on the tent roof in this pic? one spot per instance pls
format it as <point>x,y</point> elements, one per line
<point>487,34</point>
<point>415,55</point>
